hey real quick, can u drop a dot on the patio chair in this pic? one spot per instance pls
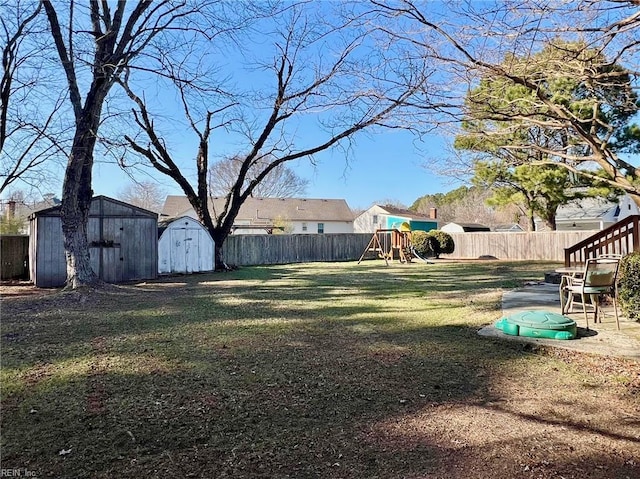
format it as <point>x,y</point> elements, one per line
<point>599,277</point>
<point>609,256</point>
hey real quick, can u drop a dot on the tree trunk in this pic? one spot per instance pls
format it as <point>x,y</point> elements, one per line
<point>219,236</point>
<point>79,272</point>
<point>532,221</point>
<point>220,265</point>
<point>76,202</point>
<point>550,220</point>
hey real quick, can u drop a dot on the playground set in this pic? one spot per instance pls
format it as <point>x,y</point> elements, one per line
<point>391,244</point>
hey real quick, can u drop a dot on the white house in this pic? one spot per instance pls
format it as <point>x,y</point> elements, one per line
<point>380,217</point>
<point>592,213</point>
<point>628,207</point>
<point>265,215</point>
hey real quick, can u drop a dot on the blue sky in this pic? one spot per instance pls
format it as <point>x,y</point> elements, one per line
<point>384,166</point>
<point>381,164</point>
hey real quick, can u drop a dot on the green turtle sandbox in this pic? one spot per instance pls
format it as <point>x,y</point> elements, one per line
<point>538,324</point>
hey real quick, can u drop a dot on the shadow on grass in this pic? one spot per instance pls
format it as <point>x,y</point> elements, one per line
<point>275,372</point>
<point>340,404</point>
<point>62,324</point>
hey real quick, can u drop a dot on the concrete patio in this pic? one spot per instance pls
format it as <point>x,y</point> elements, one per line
<point>600,338</point>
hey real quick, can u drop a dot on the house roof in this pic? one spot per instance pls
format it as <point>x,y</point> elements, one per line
<point>392,210</point>
<point>508,227</point>
<point>256,209</point>
<point>587,208</point>
<point>24,210</point>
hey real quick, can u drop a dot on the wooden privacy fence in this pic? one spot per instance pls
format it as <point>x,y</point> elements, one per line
<point>245,250</point>
<point>14,251</point>
<point>537,245</point>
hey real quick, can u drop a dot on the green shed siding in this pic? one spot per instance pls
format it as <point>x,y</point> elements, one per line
<point>423,225</point>
<point>416,225</point>
<point>395,221</point>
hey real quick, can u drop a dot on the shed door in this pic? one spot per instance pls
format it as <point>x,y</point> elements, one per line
<point>178,250</point>
<point>112,268</point>
<point>185,256</point>
<point>192,250</point>
<point>189,251</point>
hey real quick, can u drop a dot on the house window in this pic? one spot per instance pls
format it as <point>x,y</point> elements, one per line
<point>320,227</point>
<point>304,226</point>
<point>375,219</point>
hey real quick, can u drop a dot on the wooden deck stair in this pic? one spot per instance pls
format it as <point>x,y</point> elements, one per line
<point>620,238</point>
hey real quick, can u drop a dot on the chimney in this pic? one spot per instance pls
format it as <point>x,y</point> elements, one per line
<point>433,213</point>
<point>11,211</point>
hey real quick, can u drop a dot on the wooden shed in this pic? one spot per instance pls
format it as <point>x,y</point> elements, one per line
<point>123,243</point>
<point>185,246</point>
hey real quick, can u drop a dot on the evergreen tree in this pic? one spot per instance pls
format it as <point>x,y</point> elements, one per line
<point>521,152</point>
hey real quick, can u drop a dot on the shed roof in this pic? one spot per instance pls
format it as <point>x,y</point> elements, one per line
<point>165,223</point>
<point>292,209</point>
<point>122,208</point>
<point>471,226</point>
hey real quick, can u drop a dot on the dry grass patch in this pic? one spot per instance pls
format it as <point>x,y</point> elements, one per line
<point>315,370</point>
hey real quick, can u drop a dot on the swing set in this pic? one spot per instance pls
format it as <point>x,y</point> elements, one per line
<point>391,243</point>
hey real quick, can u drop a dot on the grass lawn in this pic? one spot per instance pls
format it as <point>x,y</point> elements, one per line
<point>306,371</point>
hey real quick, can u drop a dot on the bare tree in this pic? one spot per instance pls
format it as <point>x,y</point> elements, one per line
<point>473,208</point>
<point>98,43</point>
<point>468,205</point>
<point>32,132</point>
<point>393,202</point>
<point>499,41</point>
<point>145,194</point>
<point>281,182</point>
<point>333,75</point>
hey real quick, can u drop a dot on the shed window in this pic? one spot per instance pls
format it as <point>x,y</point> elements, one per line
<point>320,227</point>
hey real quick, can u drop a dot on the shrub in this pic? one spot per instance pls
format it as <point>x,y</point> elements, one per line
<point>11,226</point>
<point>447,246</point>
<point>424,244</point>
<point>629,285</point>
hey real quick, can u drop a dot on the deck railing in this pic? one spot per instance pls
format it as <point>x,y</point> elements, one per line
<point>620,238</point>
